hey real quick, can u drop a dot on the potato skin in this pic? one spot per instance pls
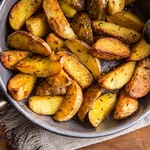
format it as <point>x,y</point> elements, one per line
<point>21,85</point>
<point>11,57</point>
<point>125,106</point>
<point>26,41</point>
<point>139,84</point>
<point>110,49</point>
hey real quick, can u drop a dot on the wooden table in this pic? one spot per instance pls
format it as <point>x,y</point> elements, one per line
<point>137,140</point>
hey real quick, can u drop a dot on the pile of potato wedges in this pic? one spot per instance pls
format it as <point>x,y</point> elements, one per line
<point>57,47</point>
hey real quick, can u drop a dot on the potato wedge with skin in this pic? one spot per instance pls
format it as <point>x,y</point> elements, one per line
<point>58,55</point>
<point>139,51</point>
<point>38,25</point>
<point>45,105</point>
<point>45,89</point>
<point>26,41</point>
<point>139,85</point>
<point>22,11</point>
<point>39,66</point>
<point>82,51</point>
<point>89,97</point>
<point>70,104</point>
<point>118,77</point>
<point>56,19</point>
<point>123,34</point>
<point>126,19</point>
<point>11,57</point>
<point>125,106</point>
<point>21,85</point>
<point>101,108</point>
<point>110,49</point>
<point>128,2</point>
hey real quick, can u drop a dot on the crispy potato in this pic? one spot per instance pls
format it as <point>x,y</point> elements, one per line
<point>76,70</point>
<point>22,11</point>
<point>81,25</point>
<point>110,49</point>
<point>125,106</point>
<point>56,43</point>
<point>89,98</point>
<point>118,77</point>
<point>128,2</point>
<point>97,9</point>
<point>11,57</point>
<point>38,25</point>
<point>26,41</point>
<point>70,104</point>
<point>60,80</point>
<point>38,66</point>
<point>126,35</point>
<point>139,85</point>
<point>101,108</point>
<point>58,55</point>
<point>139,51</point>
<point>67,10</point>
<point>45,89</point>
<point>126,19</point>
<point>56,19</point>
<point>115,6</point>
<point>21,85</point>
<point>45,105</point>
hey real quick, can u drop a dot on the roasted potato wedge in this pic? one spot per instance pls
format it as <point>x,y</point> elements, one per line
<point>39,66</point>
<point>97,9</point>
<point>58,55</point>
<point>11,57</point>
<point>21,85</point>
<point>110,49</point>
<point>98,37</point>
<point>70,104</point>
<point>89,97</point>
<point>38,25</point>
<point>22,11</point>
<point>82,51</point>
<point>26,41</point>
<point>125,106</point>
<point>128,2</point>
<point>139,51</point>
<point>56,19</point>
<point>81,25</point>
<point>45,105</point>
<point>45,89</point>
<point>115,6</point>
<point>126,19</point>
<point>139,85</point>
<point>101,108</point>
<point>118,77</point>
<point>126,35</point>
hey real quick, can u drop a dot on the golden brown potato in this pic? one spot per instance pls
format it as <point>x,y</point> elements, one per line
<point>11,57</point>
<point>56,19</point>
<point>125,106</point>
<point>126,35</point>
<point>39,66</point>
<point>26,41</point>
<point>110,49</point>
<point>45,89</point>
<point>70,104</point>
<point>22,11</point>
<point>21,85</point>
<point>45,105</point>
<point>139,51</point>
<point>128,2</point>
<point>82,51</point>
<point>38,25</point>
<point>101,108</point>
<point>139,85</point>
<point>58,55</point>
<point>81,25</point>
<point>115,6</point>
<point>97,9</point>
<point>126,19</point>
<point>118,77</point>
<point>89,97</point>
